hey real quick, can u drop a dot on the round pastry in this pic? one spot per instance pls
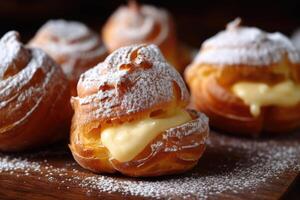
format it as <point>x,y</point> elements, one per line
<point>140,24</point>
<point>247,81</point>
<point>131,117</point>
<point>34,97</point>
<point>72,45</point>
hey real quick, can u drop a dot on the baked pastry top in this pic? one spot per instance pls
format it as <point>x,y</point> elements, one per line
<point>34,96</point>
<point>72,45</point>
<point>130,116</point>
<point>239,45</point>
<point>143,24</point>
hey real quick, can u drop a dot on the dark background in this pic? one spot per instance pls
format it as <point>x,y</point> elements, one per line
<point>195,20</point>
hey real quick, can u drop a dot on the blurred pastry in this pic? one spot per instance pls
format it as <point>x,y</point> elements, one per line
<point>34,97</point>
<point>296,39</point>
<point>144,24</point>
<point>71,44</point>
<point>247,81</point>
<point>130,116</point>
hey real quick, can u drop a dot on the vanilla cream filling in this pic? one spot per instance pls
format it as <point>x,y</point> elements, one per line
<point>256,95</point>
<point>125,141</point>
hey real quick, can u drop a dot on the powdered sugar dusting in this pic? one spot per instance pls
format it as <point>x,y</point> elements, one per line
<point>71,44</point>
<point>24,73</point>
<point>229,166</point>
<point>246,45</point>
<point>200,125</point>
<point>66,37</point>
<point>130,80</point>
<point>136,24</point>
<point>11,164</point>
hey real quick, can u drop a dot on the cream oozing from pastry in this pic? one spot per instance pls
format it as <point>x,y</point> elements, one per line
<point>125,141</point>
<point>256,95</point>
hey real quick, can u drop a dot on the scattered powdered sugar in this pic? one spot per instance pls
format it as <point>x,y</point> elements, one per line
<point>229,166</point>
<point>11,164</point>
<point>260,162</point>
<point>246,45</point>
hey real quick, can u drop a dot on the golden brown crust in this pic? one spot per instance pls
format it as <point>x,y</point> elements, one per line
<point>211,93</point>
<point>132,83</point>
<point>72,45</point>
<point>144,24</point>
<point>174,151</point>
<point>34,95</point>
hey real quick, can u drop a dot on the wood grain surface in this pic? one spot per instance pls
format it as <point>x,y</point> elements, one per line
<point>51,173</point>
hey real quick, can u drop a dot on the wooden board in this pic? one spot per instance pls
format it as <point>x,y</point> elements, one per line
<point>231,168</point>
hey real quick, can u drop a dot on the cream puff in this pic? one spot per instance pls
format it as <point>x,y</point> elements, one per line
<point>131,117</point>
<point>34,97</point>
<point>247,81</point>
<point>139,24</point>
<point>72,45</point>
